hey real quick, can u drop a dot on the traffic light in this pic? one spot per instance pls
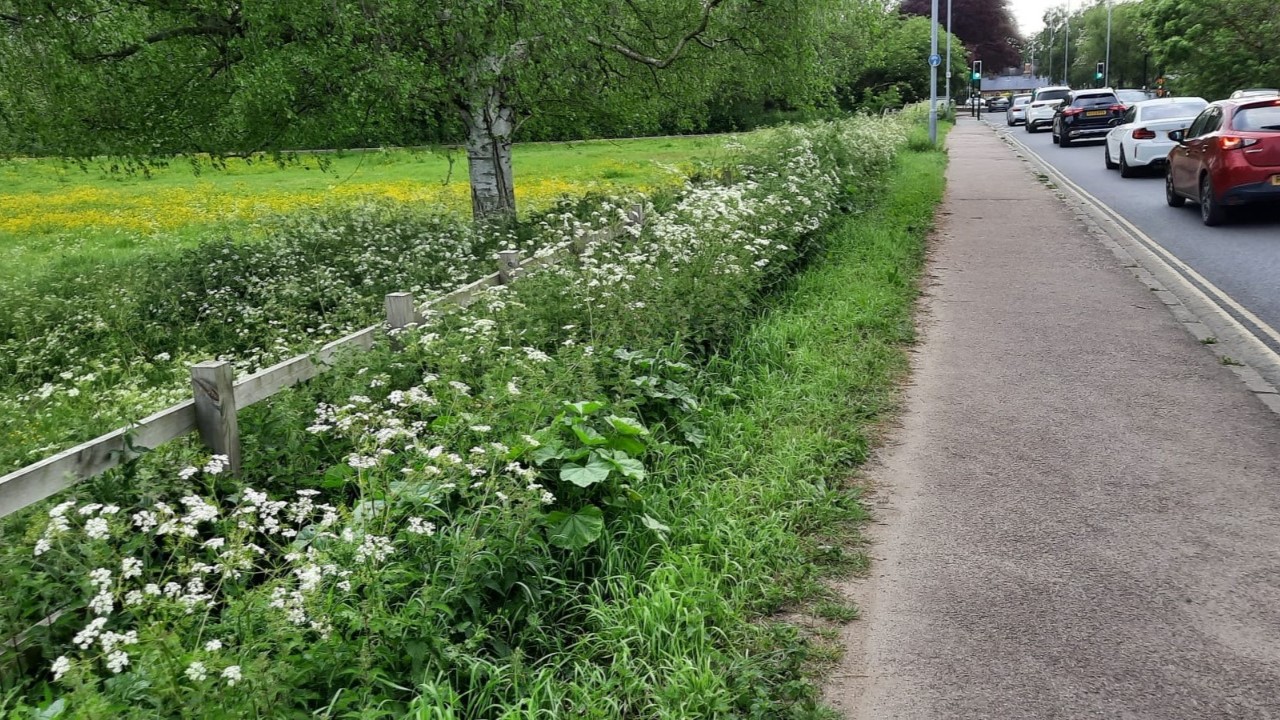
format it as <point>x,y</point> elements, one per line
<point>977,70</point>
<point>1100,72</point>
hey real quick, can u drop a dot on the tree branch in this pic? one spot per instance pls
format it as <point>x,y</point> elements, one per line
<point>224,30</point>
<point>708,7</point>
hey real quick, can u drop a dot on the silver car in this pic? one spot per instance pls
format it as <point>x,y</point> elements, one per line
<point>1017,112</point>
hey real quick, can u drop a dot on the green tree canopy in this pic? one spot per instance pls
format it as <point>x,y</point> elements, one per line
<point>1215,46</point>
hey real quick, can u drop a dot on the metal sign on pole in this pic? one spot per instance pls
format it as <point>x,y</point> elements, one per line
<point>933,79</point>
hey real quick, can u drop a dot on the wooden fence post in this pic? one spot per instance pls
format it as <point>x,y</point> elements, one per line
<point>508,265</point>
<point>635,215</point>
<point>213,383</point>
<point>401,311</point>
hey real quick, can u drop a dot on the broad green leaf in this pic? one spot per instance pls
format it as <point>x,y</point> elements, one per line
<point>544,453</point>
<point>54,710</point>
<point>627,426</point>
<point>693,434</point>
<point>574,531</point>
<point>595,471</point>
<point>586,407</point>
<point>368,510</point>
<point>627,444</point>
<point>337,476</point>
<point>589,435</point>
<point>654,525</point>
<point>631,468</point>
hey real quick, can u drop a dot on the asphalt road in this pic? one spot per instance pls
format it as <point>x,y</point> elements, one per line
<point>1242,259</point>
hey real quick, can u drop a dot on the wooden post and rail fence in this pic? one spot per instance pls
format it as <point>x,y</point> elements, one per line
<point>217,396</point>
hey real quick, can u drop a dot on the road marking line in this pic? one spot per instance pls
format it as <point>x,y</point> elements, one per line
<point>1172,262</point>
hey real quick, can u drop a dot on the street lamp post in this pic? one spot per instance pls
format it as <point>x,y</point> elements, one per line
<point>1066,50</point>
<point>933,79</point>
<point>1053,31</point>
<point>947,93</point>
<point>1106,69</point>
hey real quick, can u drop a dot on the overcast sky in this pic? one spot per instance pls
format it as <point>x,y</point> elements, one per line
<point>1029,12</point>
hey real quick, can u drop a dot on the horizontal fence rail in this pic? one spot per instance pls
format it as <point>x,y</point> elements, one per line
<point>218,396</point>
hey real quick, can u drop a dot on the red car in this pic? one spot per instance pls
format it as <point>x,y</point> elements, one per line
<point>1229,156</point>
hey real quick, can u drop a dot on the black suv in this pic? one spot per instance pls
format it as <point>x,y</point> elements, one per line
<point>1086,115</point>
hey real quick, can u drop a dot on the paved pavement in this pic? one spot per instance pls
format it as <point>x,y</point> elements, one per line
<point>1241,258</point>
<point>1080,515</point>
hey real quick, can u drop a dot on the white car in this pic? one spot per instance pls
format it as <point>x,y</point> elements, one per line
<point>1254,92</point>
<point>1044,101</point>
<point>1141,140</point>
<point>1017,112</point>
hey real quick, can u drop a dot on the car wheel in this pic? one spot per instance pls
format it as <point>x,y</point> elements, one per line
<point>1063,140</point>
<point>1106,157</point>
<point>1171,196</point>
<point>1126,170</point>
<point>1030,128</point>
<point>1211,211</point>
<point>1053,133</point>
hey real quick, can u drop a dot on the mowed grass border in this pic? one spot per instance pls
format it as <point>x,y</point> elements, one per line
<point>770,502</point>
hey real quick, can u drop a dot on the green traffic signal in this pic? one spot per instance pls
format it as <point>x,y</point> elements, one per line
<point>977,76</point>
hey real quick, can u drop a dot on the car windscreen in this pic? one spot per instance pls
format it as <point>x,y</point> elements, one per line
<point>1093,101</point>
<point>1132,96</point>
<point>1258,119</point>
<point>1169,111</point>
<point>1052,95</point>
<point>1021,100</point>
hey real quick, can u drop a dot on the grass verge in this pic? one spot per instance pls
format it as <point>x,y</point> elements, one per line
<point>767,505</point>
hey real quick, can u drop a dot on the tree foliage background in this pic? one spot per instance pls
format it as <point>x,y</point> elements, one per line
<point>1215,46</point>
<point>986,27</point>
<point>1208,48</point>
<point>83,77</point>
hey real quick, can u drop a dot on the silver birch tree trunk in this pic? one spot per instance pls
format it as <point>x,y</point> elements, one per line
<point>490,122</point>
